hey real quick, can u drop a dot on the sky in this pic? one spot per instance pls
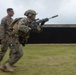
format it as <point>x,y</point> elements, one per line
<point>66,9</point>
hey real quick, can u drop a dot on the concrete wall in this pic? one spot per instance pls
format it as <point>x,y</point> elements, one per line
<point>55,33</point>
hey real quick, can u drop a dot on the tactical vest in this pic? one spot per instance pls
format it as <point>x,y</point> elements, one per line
<point>23,37</point>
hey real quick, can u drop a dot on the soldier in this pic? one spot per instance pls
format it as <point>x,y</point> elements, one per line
<point>5,25</point>
<point>23,25</point>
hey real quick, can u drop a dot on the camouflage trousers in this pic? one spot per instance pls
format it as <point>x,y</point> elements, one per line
<point>16,51</point>
<point>4,48</point>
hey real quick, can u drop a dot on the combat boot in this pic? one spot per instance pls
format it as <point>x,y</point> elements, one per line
<point>9,68</point>
<point>13,65</point>
<point>3,68</point>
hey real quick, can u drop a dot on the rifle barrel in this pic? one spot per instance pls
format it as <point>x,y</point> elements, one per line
<point>53,17</point>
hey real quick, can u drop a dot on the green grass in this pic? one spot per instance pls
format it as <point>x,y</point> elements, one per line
<point>46,60</point>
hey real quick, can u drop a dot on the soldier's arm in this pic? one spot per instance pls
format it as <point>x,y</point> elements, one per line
<point>22,26</point>
<point>3,23</point>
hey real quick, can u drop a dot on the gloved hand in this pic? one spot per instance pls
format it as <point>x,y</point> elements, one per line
<point>43,23</point>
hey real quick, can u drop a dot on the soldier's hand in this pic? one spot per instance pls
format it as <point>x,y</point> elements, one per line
<point>39,28</point>
<point>43,23</point>
<point>28,29</point>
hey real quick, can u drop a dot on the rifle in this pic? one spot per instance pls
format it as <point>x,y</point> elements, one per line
<point>41,22</point>
<point>33,26</point>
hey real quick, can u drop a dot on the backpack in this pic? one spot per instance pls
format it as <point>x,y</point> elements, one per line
<point>22,36</point>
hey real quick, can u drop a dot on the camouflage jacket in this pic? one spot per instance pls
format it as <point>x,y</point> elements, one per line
<point>5,24</point>
<point>22,29</point>
<point>24,25</point>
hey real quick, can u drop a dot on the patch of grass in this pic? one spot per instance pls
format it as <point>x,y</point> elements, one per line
<point>46,60</point>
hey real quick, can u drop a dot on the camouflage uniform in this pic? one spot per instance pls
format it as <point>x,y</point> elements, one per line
<point>16,52</point>
<point>5,24</point>
<point>21,26</point>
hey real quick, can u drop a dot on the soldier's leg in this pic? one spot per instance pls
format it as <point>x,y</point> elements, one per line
<point>15,56</point>
<point>4,47</point>
<point>16,53</point>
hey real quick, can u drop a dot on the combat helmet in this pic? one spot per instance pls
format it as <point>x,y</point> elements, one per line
<point>30,11</point>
